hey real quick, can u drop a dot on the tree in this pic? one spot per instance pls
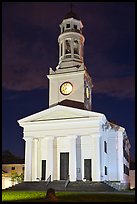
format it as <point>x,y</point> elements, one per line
<point>17,178</point>
<point>8,157</point>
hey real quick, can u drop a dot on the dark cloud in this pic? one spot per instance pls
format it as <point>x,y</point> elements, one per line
<point>118,87</point>
<point>24,71</point>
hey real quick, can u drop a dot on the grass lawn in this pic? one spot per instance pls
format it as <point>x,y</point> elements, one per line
<point>32,196</point>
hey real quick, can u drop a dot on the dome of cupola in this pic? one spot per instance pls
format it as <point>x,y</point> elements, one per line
<point>71,23</point>
<point>71,41</point>
<point>71,14</point>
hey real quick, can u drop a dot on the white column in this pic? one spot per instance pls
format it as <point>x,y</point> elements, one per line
<point>78,158</point>
<point>35,159</point>
<point>39,158</point>
<point>63,48</point>
<point>50,159</point>
<point>72,48</point>
<point>96,159</point>
<point>59,51</point>
<point>28,159</point>
<point>80,50</point>
<point>72,161</point>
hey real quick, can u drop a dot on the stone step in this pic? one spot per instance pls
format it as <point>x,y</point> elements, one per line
<point>78,186</point>
<point>89,187</point>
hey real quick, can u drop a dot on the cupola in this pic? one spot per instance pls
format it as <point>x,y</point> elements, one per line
<point>71,41</point>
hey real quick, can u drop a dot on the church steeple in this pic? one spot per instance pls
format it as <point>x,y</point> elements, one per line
<point>70,81</point>
<point>71,41</point>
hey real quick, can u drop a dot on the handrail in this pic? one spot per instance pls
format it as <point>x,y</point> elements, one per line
<point>67,181</point>
<point>48,179</point>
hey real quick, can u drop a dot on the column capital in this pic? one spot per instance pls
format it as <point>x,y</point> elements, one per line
<point>72,136</point>
<point>27,138</point>
<point>36,139</point>
<point>49,138</point>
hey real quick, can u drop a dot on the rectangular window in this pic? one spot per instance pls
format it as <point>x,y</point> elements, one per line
<point>67,25</point>
<point>106,170</point>
<point>12,168</point>
<point>126,170</point>
<point>75,26</point>
<point>125,154</point>
<point>105,146</point>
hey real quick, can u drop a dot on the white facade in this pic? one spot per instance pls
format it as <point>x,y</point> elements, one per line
<point>81,133</point>
<point>64,141</point>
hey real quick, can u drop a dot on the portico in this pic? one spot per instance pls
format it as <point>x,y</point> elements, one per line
<point>51,138</point>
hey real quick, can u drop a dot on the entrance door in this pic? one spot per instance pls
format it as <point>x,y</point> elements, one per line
<point>64,165</point>
<point>87,169</point>
<point>43,170</point>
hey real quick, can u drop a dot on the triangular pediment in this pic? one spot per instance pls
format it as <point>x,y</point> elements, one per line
<point>59,112</point>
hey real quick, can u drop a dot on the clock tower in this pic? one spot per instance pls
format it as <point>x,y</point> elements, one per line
<point>68,141</point>
<point>70,81</point>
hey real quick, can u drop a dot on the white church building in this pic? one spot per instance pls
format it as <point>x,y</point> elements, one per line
<point>69,140</point>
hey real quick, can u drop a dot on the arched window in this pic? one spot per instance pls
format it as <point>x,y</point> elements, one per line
<point>76,47</point>
<point>87,92</point>
<point>67,47</point>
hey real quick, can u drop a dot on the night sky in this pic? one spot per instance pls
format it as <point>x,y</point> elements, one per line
<point>30,33</point>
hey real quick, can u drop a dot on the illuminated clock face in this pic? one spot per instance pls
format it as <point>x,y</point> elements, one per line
<point>66,88</point>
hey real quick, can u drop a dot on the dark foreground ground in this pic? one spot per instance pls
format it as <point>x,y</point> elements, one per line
<point>40,196</point>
